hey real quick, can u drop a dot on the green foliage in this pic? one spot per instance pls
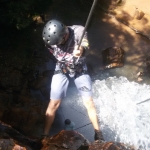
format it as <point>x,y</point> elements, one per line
<point>20,13</point>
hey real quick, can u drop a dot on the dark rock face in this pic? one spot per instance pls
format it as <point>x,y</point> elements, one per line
<point>25,114</point>
<point>73,140</point>
<point>11,139</point>
<point>9,144</point>
<point>18,107</point>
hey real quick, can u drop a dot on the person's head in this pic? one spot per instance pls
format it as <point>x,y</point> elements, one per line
<point>54,33</point>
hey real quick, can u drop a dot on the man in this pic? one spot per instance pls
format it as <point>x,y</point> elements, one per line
<point>62,42</point>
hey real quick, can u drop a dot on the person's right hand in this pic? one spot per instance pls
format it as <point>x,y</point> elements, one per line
<point>78,52</point>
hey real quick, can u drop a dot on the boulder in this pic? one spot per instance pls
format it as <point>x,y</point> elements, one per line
<point>11,139</point>
<point>71,140</point>
<point>113,57</point>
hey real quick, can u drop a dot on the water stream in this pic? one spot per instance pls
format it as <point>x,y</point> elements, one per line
<point>117,101</point>
<point>122,118</point>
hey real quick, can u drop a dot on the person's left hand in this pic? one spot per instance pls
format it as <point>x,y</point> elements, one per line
<point>78,52</point>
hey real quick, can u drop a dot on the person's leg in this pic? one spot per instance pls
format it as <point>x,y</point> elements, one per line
<point>89,104</point>
<point>59,87</point>
<point>50,114</point>
<point>84,86</point>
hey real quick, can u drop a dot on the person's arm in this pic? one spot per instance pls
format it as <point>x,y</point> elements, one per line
<point>78,51</point>
<point>84,46</point>
<point>85,42</point>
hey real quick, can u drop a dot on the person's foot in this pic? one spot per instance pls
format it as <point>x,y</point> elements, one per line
<point>98,136</point>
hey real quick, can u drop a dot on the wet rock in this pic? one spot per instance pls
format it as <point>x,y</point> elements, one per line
<point>42,80</point>
<point>12,79</point>
<point>11,139</point>
<point>71,140</point>
<point>9,144</point>
<point>42,83</point>
<point>24,114</point>
<point>113,57</point>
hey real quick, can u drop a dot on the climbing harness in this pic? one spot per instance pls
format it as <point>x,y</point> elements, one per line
<point>70,69</point>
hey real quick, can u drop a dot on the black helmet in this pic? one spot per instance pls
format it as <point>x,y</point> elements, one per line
<point>54,32</point>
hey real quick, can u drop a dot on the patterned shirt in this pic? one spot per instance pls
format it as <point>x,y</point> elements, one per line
<point>64,52</point>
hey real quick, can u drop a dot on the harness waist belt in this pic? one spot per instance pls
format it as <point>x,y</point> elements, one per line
<point>77,74</point>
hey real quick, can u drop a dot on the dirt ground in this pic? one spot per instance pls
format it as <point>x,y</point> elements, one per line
<point>106,30</point>
<point>135,45</point>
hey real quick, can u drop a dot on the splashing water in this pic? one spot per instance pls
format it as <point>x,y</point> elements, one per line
<point>122,117</point>
<point>116,100</point>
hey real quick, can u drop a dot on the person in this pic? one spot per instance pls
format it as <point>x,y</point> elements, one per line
<point>63,42</point>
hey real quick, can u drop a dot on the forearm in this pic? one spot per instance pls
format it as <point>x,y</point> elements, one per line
<point>85,45</point>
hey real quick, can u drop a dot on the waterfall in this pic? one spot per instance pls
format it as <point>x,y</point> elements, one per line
<point>119,110</point>
<point>122,117</point>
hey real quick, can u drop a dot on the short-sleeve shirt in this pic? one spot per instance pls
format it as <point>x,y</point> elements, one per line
<point>64,52</point>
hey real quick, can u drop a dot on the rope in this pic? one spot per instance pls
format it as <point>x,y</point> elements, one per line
<point>143,101</point>
<point>86,25</point>
<point>87,22</point>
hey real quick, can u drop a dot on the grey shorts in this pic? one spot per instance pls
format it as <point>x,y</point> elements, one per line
<point>60,82</point>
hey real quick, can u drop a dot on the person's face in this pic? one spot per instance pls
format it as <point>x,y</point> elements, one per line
<point>65,38</point>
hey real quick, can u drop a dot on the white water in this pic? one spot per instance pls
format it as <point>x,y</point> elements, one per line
<point>122,119</point>
<point>116,101</point>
